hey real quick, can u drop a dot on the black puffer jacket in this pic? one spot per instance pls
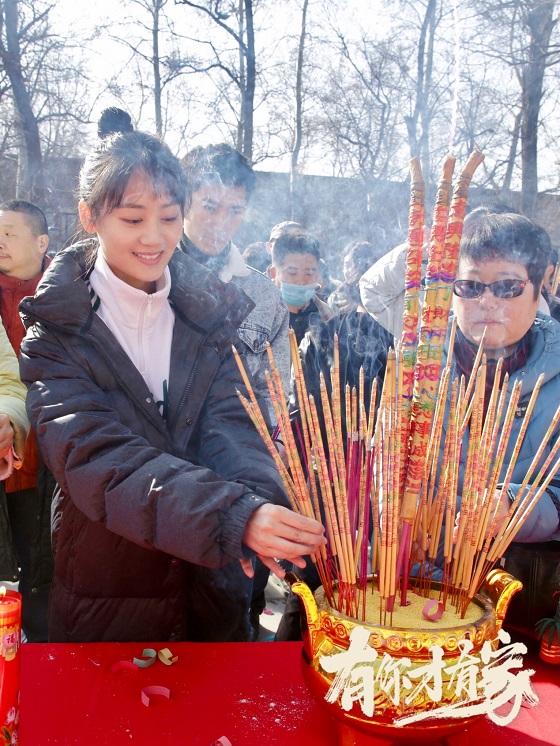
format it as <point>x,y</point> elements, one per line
<point>147,510</point>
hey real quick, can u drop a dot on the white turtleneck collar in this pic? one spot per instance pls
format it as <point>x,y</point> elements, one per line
<point>141,322</point>
<point>124,301</point>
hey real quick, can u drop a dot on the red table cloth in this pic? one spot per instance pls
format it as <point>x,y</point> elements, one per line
<point>253,693</point>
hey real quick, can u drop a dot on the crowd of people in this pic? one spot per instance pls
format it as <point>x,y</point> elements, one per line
<point>143,505</point>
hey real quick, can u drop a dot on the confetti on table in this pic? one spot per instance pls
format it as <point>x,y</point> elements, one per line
<point>148,658</point>
<point>123,665</point>
<point>151,691</point>
<point>166,656</point>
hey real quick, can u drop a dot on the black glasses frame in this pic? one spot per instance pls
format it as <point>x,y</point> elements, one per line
<point>471,289</point>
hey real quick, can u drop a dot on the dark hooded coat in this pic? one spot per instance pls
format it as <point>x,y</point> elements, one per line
<point>148,521</point>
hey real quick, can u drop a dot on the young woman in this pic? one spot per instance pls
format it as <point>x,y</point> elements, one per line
<point>166,492</point>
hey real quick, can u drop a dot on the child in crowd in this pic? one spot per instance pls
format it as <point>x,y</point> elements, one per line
<point>166,492</point>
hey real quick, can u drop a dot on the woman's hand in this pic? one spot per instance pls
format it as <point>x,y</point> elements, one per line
<point>274,531</point>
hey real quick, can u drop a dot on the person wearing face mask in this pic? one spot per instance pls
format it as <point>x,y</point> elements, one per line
<point>295,270</point>
<point>362,342</point>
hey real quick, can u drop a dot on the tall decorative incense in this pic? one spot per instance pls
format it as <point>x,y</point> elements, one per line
<point>388,495</point>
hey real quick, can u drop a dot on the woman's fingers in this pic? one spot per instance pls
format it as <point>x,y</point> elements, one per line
<point>247,567</point>
<point>273,565</point>
<point>299,562</point>
<point>278,532</point>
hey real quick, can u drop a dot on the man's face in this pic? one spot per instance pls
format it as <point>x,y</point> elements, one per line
<point>215,215</point>
<point>296,269</point>
<point>507,320</point>
<point>21,252</point>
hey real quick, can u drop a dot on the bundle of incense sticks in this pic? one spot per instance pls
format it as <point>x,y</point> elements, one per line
<point>395,475</point>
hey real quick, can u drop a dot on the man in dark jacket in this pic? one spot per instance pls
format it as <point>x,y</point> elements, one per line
<point>23,244</point>
<point>220,182</point>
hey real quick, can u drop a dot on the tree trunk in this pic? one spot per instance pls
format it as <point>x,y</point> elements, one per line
<point>30,167</point>
<point>157,5</point>
<point>242,78</point>
<point>540,23</point>
<point>298,133</point>
<point>425,117</point>
<point>506,187</point>
<point>248,93</point>
<point>245,78</point>
<point>419,143</point>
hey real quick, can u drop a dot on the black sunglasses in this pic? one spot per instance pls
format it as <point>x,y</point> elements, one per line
<point>500,288</point>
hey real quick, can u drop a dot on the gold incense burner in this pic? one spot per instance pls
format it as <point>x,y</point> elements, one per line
<point>327,632</point>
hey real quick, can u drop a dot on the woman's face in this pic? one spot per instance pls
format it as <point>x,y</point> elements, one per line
<point>507,320</point>
<point>139,237</point>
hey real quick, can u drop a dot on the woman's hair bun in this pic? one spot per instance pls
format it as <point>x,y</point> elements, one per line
<point>113,120</point>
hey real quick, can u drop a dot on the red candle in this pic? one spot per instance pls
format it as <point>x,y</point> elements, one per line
<point>10,639</point>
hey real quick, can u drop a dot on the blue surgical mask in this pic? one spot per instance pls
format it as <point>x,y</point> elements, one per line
<point>297,295</point>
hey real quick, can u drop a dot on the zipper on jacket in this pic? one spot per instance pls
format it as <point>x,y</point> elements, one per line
<point>146,312</point>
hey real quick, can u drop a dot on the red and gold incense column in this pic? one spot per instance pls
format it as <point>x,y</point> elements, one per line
<point>10,639</point>
<point>440,274</point>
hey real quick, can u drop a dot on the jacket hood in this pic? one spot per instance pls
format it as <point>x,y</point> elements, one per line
<point>544,354</point>
<point>63,296</point>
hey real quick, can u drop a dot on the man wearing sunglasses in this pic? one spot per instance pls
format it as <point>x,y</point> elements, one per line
<point>502,263</point>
